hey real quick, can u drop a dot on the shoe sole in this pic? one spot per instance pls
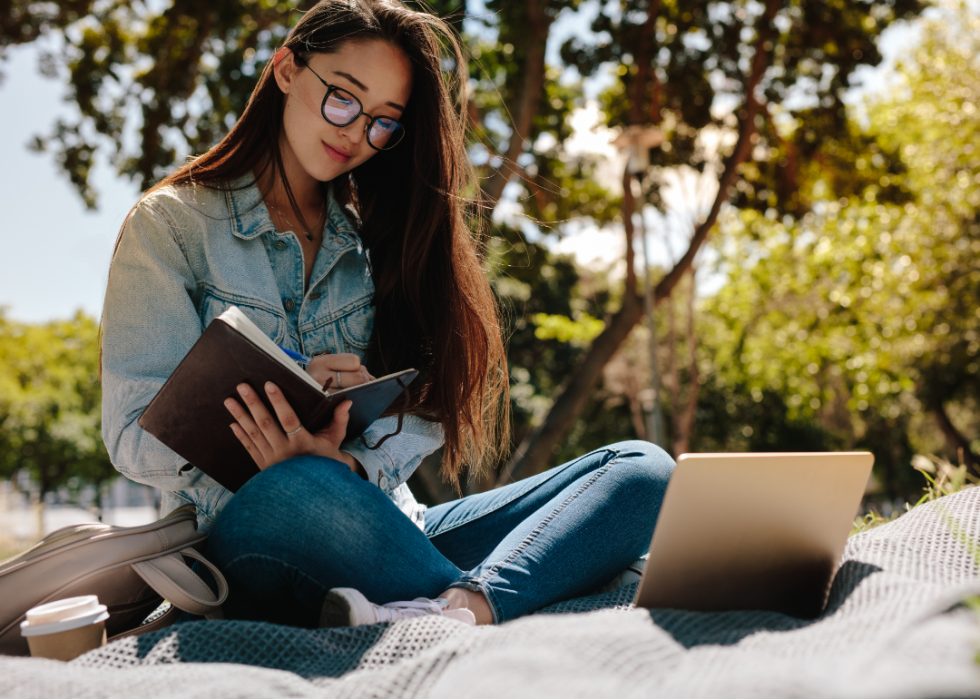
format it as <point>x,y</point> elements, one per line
<point>335,612</point>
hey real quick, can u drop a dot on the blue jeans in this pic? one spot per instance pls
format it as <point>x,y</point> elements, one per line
<point>309,524</point>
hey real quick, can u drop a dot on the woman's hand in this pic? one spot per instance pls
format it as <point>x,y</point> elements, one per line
<point>343,370</point>
<point>270,439</point>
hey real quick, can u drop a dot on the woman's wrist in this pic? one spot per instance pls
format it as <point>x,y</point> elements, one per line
<point>352,463</point>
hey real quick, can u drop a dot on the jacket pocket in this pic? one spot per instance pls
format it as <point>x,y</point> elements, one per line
<point>356,326</point>
<point>346,330</point>
<point>270,321</point>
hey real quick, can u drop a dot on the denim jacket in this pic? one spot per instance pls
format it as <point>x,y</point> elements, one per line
<point>185,256</point>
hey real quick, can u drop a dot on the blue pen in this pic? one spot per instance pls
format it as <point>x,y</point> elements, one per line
<point>295,355</point>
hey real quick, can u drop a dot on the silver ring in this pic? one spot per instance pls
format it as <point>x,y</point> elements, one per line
<point>290,434</point>
<point>338,380</point>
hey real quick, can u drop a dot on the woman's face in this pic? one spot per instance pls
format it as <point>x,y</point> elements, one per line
<point>375,72</point>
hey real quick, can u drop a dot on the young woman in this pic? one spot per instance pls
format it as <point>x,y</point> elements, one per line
<point>332,216</point>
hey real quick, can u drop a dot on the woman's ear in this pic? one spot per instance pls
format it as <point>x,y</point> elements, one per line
<point>284,67</point>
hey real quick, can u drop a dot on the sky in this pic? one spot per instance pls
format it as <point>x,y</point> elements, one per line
<point>55,253</point>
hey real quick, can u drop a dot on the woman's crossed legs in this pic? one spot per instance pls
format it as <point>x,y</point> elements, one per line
<point>308,525</point>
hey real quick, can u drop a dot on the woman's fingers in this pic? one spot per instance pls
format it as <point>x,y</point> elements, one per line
<point>249,445</point>
<point>337,429</point>
<point>341,370</point>
<point>258,422</point>
<point>340,379</point>
<point>284,411</point>
<point>265,436</point>
<point>344,361</point>
<point>347,379</point>
<point>248,428</point>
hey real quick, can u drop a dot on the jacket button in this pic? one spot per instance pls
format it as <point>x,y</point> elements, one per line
<point>289,305</point>
<point>280,245</point>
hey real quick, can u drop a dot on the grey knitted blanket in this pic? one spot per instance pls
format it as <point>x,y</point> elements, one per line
<point>895,627</point>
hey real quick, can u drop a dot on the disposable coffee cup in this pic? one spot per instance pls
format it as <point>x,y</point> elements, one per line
<point>65,629</point>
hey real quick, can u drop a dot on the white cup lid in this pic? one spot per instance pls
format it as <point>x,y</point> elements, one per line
<point>63,615</point>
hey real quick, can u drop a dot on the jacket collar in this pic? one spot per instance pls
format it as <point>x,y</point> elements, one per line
<point>250,217</point>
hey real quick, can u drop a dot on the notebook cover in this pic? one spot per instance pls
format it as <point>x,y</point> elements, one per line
<point>188,414</point>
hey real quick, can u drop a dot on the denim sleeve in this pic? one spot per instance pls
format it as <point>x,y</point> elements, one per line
<point>149,323</point>
<point>394,461</point>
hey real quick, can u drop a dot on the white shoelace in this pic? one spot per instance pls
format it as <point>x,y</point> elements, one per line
<point>393,611</point>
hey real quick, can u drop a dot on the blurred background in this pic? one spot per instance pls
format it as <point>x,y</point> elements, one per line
<point>717,226</point>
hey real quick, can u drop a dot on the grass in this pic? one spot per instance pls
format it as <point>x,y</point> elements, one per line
<point>942,478</point>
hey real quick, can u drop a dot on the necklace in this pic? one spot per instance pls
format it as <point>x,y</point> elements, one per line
<point>316,224</point>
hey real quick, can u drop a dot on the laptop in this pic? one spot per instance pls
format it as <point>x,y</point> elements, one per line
<point>753,531</point>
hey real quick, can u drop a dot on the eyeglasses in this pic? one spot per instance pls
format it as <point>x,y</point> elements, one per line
<point>341,108</point>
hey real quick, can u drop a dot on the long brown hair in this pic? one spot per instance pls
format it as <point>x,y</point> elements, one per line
<point>434,309</point>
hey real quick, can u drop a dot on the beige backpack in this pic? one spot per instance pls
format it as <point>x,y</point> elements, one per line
<point>131,569</point>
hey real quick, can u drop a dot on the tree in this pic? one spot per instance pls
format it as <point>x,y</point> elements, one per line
<point>757,55</point>
<point>50,403</point>
<point>934,124</point>
<point>858,325</point>
<point>512,88</point>
<point>186,68</point>
<point>23,22</point>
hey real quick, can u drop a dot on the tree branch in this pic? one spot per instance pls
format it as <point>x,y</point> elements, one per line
<point>743,146</point>
<point>685,422</point>
<point>528,103</point>
<point>629,204</point>
<point>643,64</point>
<point>532,455</point>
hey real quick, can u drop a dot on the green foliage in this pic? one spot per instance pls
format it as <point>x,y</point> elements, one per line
<point>935,123</point>
<point>942,478</point>
<point>50,402</point>
<point>187,68</point>
<point>24,21</point>
<point>530,280</point>
<point>850,311</point>
<point>703,51</point>
<point>863,316</point>
<point>580,331</point>
<point>498,68</point>
<point>539,289</point>
<point>873,519</point>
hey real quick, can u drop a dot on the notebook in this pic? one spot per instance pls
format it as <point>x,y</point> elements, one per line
<point>753,531</point>
<point>188,414</point>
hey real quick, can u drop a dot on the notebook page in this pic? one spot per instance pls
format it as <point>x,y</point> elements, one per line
<point>240,322</point>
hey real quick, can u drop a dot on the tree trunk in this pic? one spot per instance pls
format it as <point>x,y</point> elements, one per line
<point>684,424</point>
<point>533,454</point>
<point>636,412</point>
<point>629,206</point>
<point>643,72</point>
<point>956,441</point>
<point>629,315</point>
<point>673,375</point>
<point>527,103</point>
<point>655,423</point>
<point>534,451</point>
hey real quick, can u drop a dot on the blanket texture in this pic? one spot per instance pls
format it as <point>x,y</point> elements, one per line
<point>894,627</point>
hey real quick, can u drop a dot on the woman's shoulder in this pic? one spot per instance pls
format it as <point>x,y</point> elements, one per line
<point>189,213</point>
<point>186,200</point>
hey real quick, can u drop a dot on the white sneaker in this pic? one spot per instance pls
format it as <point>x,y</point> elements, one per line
<point>345,606</point>
<point>632,574</point>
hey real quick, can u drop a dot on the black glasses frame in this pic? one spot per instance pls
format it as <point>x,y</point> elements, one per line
<point>360,112</point>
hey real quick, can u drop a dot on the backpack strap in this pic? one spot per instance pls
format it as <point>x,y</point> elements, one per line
<point>170,577</point>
